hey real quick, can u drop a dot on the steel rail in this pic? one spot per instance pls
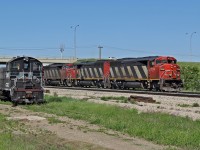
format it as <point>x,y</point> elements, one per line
<point>178,94</point>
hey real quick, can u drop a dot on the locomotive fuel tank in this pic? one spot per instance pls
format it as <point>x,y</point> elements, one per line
<point>132,85</point>
<point>86,83</point>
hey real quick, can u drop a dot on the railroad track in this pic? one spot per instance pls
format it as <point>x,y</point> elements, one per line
<point>178,94</point>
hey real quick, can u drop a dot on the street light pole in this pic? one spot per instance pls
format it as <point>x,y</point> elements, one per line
<point>191,35</point>
<point>191,43</point>
<point>100,47</point>
<point>62,50</point>
<point>75,40</point>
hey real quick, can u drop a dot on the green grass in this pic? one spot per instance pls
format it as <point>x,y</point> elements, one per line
<point>53,120</point>
<point>160,128</point>
<point>120,98</point>
<point>5,102</point>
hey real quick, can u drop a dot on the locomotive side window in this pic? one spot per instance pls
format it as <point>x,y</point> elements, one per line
<point>151,63</point>
<point>36,66</point>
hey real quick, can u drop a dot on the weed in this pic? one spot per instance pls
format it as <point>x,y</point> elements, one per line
<point>105,98</point>
<point>195,105</point>
<point>120,98</point>
<point>55,94</point>
<point>184,105</point>
<point>125,101</point>
<point>84,99</point>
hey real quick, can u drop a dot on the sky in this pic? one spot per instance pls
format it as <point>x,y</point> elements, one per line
<point>124,28</point>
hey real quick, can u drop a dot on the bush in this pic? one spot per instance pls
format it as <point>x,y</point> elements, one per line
<point>191,77</point>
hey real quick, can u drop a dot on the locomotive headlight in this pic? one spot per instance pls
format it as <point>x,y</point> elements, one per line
<point>162,69</point>
<point>7,85</point>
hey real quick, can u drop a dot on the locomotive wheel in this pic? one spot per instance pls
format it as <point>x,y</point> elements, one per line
<point>69,83</point>
<point>98,84</point>
<point>75,83</point>
<point>64,83</point>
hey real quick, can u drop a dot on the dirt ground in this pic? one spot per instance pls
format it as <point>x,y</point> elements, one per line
<point>77,130</point>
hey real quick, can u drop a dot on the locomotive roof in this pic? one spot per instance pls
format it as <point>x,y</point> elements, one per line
<point>20,58</point>
<point>138,58</point>
<point>86,63</point>
<point>59,65</point>
<point>56,64</point>
<point>95,62</point>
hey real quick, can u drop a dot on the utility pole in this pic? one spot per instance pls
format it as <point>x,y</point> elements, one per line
<point>62,50</point>
<point>100,47</point>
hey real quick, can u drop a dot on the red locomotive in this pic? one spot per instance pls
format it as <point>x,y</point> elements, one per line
<point>153,72</point>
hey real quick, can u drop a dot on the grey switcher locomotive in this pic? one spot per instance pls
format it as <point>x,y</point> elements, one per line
<point>21,81</point>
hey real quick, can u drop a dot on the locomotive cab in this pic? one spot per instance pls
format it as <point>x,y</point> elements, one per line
<point>25,68</point>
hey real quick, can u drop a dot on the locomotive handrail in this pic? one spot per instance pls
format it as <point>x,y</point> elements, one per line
<point>14,85</point>
<point>165,72</point>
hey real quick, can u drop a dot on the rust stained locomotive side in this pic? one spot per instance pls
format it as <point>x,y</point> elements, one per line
<point>21,80</point>
<point>154,72</point>
<point>53,73</point>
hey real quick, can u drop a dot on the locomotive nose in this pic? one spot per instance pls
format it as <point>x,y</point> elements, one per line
<point>170,71</point>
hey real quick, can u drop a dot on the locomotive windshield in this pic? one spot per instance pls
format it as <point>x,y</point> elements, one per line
<point>165,61</point>
<point>26,65</point>
<point>15,65</point>
<point>161,61</point>
<point>171,61</point>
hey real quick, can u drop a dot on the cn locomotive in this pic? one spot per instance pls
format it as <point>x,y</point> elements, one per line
<point>161,73</point>
<point>21,81</point>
